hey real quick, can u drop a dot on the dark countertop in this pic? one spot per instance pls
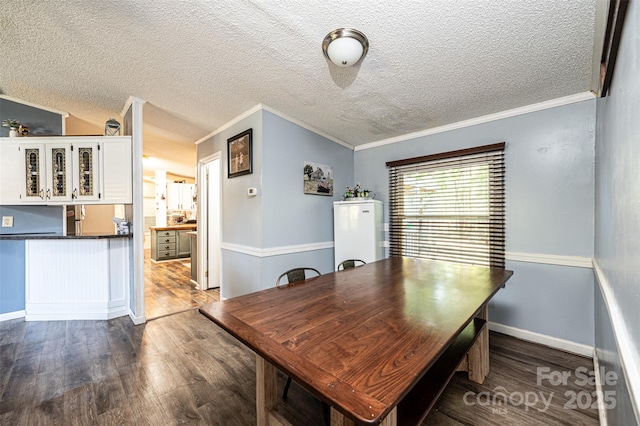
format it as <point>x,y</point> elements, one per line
<point>52,236</point>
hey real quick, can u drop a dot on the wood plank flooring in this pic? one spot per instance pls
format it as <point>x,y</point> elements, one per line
<point>168,288</point>
<point>183,369</point>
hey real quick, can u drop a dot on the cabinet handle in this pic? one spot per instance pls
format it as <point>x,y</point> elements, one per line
<point>166,241</point>
<point>167,247</point>
<point>74,194</point>
<point>42,194</point>
<point>48,194</point>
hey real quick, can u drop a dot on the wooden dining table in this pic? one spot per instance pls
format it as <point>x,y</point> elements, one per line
<point>377,343</point>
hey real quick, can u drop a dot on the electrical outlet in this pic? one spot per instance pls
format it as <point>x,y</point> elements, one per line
<point>7,221</point>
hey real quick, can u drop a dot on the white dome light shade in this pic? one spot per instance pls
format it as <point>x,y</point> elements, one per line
<point>345,51</point>
<point>345,47</point>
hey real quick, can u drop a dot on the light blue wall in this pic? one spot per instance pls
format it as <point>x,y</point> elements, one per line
<point>34,219</point>
<point>29,219</point>
<point>281,214</point>
<point>549,160</point>
<point>617,220</point>
<point>241,214</point>
<point>12,276</point>
<point>290,216</point>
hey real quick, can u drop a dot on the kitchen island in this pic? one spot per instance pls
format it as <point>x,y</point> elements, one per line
<point>170,242</point>
<point>68,277</point>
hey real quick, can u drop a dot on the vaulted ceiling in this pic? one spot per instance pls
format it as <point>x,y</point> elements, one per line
<point>201,63</point>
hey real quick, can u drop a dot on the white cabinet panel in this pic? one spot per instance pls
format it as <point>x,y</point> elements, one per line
<point>74,279</point>
<point>10,182</point>
<point>117,178</point>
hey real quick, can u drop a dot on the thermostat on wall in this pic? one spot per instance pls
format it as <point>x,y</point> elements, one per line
<point>252,192</point>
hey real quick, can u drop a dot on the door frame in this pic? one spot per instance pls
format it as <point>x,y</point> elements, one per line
<point>205,258</point>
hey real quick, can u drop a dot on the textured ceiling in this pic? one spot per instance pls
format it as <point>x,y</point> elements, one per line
<point>199,64</point>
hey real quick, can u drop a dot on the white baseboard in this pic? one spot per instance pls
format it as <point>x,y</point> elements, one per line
<point>73,315</point>
<point>137,320</point>
<point>11,315</point>
<point>543,339</point>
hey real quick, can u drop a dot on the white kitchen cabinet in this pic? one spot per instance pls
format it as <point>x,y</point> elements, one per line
<point>9,171</point>
<point>116,169</point>
<point>85,166</point>
<point>46,172</point>
<point>66,170</point>
<point>180,196</point>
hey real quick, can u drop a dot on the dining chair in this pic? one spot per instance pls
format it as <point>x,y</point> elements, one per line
<point>296,274</point>
<point>350,263</point>
<point>293,275</point>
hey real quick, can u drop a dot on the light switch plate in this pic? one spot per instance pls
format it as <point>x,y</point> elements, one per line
<point>7,221</point>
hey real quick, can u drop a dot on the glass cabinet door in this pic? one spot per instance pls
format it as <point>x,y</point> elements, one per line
<point>33,167</point>
<point>58,168</point>
<point>46,173</point>
<point>85,171</point>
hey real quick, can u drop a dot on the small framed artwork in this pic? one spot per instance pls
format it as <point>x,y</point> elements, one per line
<point>240,154</point>
<point>317,178</point>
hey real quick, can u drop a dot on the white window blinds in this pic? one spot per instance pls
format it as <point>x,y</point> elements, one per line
<point>449,206</point>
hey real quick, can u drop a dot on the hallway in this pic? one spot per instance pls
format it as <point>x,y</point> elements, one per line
<point>168,288</point>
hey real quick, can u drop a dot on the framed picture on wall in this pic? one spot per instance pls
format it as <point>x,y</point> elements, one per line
<point>240,154</point>
<point>317,178</point>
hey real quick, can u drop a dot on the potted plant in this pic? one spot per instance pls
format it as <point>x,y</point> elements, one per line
<point>356,192</point>
<point>13,126</point>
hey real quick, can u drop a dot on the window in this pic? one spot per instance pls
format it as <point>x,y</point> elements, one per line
<point>449,206</point>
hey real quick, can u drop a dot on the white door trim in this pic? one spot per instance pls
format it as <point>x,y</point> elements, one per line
<point>204,234</point>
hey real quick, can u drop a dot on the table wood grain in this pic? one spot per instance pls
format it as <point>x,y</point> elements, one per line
<point>360,339</point>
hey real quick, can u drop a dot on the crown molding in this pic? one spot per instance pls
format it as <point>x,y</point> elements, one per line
<point>579,97</point>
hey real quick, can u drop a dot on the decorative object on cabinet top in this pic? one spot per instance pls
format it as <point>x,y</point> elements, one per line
<point>356,192</point>
<point>112,127</point>
<point>16,128</point>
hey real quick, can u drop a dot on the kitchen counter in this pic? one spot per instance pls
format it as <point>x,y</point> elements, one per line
<point>174,227</point>
<point>57,277</point>
<point>53,236</point>
<point>171,242</point>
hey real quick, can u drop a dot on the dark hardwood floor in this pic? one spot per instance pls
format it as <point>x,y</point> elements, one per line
<point>168,288</point>
<point>182,368</point>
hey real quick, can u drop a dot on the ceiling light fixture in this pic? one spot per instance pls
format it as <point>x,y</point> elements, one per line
<point>345,46</point>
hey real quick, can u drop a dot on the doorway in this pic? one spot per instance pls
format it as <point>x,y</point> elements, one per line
<point>210,223</point>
